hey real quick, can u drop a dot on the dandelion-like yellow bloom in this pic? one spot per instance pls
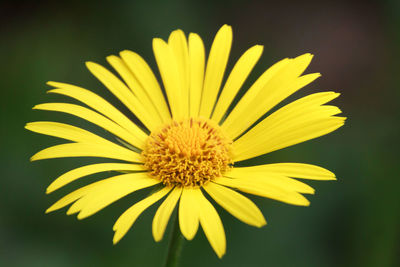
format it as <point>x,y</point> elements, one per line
<point>191,136</point>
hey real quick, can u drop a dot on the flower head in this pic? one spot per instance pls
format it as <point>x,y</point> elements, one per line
<point>191,136</point>
<point>191,152</point>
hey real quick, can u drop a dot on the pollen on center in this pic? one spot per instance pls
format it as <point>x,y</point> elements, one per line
<point>189,152</point>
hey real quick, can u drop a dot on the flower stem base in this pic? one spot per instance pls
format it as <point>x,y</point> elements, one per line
<point>175,246</point>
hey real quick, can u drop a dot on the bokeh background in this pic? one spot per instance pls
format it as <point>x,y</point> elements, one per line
<point>351,222</point>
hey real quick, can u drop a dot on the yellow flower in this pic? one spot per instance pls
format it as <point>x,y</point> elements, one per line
<point>190,136</point>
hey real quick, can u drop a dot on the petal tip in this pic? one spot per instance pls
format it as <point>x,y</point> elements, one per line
<point>220,254</point>
<point>89,63</point>
<point>111,58</point>
<point>48,210</point>
<point>157,238</point>
<point>188,236</point>
<point>226,26</point>
<point>81,215</point>
<point>261,223</point>
<point>51,188</point>
<point>126,52</point>
<point>157,41</point>
<point>51,83</point>
<point>117,237</point>
<point>264,222</point>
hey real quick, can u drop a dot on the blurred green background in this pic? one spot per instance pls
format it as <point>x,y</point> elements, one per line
<point>352,222</point>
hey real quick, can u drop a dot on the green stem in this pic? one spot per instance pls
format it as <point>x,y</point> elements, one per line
<point>175,246</point>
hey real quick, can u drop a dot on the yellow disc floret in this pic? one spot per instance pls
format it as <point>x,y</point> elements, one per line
<point>188,153</point>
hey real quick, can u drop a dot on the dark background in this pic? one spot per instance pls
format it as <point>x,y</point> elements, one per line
<point>351,222</point>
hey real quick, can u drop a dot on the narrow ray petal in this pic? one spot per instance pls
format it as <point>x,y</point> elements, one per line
<point>263,189</point>
<point>295,170</point>
<point>298,132</point>
<point>178,44</point>
<point>237,77</point>
<point>99,104</point>
<point>212,225</point>
<point>80,172</point>
<point>68,132</point>
<point>119,65</point>
<point>128,218</point>
<point>215,69</point>
<point>65,131</point>
<point>107,193</point>
<point>302,106</point>
<point>304,114</point>
<point>83,191</point>
<point>196,66</point>
<point>145,76</point>
<point>79,135</point>
<point>255,89</point>
<point>94,118</point>
<point>189,212</point>
<point>276,180</point>
<point>282,84</point>
<point>168,68</point>
<point>71,197</point>
<point>87,150</point>
<point>236,204</point>
<point>163,213</point>
<point>123,93</point>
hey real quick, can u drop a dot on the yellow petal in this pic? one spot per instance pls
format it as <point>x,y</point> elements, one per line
<point>254,90</point>
<point>236,79</point>
<point>99,104</point>
<point>120,90</point>
<point>71,197</point>
<point>80,172</point>
<point>77,194</point>
<point>305,115</point>
<point>128,218</point>
<point>178,44</point>
<point>169,71</point>
<point>212,225</point>
<point>297,133</point>
<point>276,180</point>
<point>263,189</point>
<point>236,204</point>
<point>196,66</point>
<point>87,150</point>
<point>93,117</point>
<point>301,107</point>
<point>295,170</point>
<point>145,76</point>
<point>282,84</point>
<point>215,69</point>
<point>65,131</point>
<point>163,213</point>
<point>76,134</point>
<point>189,212</point>
<point>119,65</point>
<point>106,193</point>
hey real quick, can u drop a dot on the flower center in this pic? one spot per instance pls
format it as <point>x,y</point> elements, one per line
<point>188,153</point>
